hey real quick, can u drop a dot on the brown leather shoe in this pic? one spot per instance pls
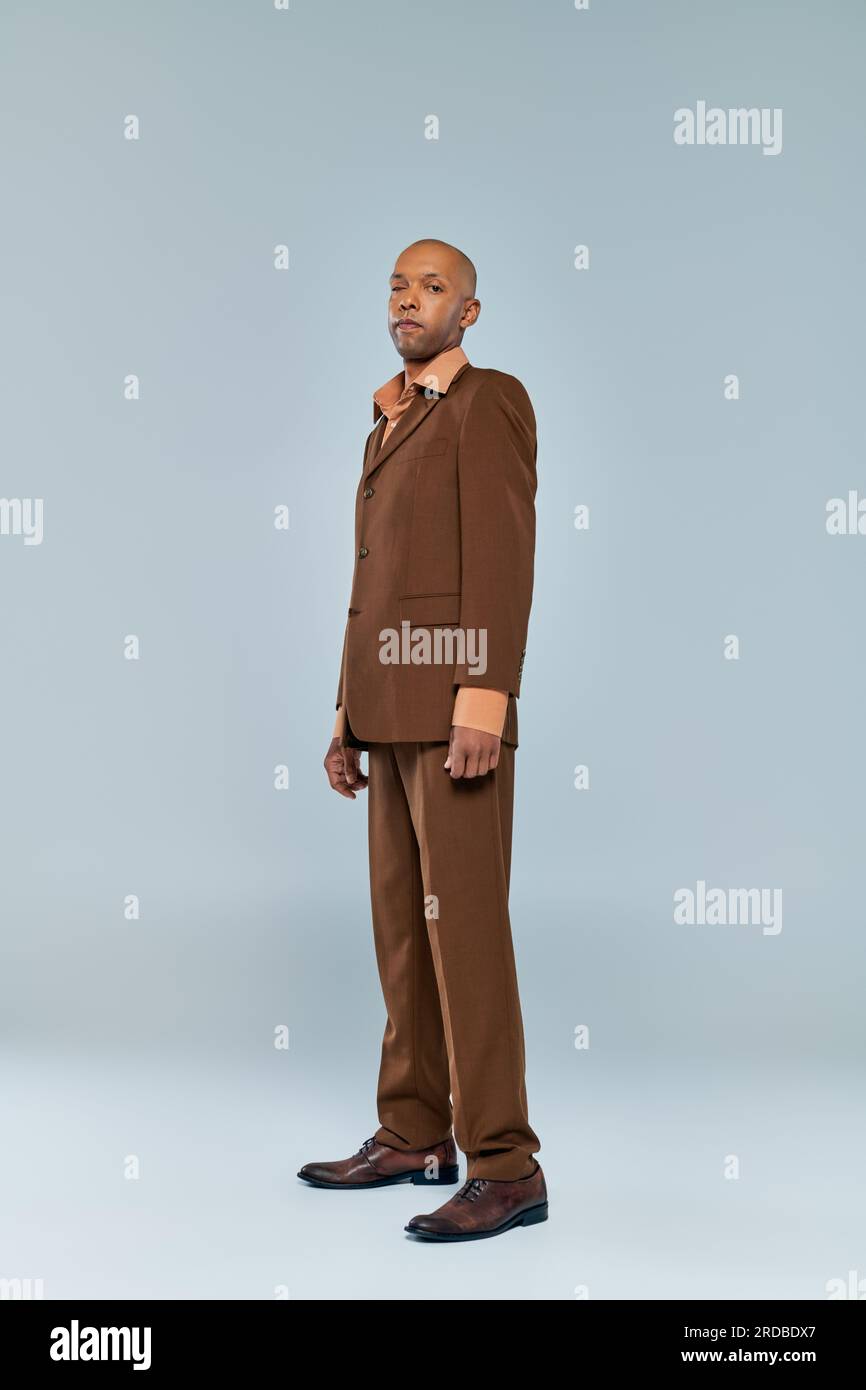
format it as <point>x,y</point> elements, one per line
<point>485,1207</point>
<point>378,1165</point>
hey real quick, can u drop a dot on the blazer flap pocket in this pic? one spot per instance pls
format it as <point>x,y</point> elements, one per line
<point>429,448</point>
<point>430,610</point>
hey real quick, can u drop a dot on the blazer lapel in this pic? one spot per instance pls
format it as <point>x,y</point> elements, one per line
<point>372,443</point>
<point>408,422</point>
<point>405,426</point>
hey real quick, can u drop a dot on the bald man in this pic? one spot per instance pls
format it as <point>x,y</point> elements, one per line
<point>432,663</point>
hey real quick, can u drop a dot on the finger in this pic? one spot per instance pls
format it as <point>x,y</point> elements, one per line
<point>471,766</point>
<point>483,764</point>
<point>349,765</point>
<point>458,762</point>
<point>447,762</point>
<point>340,786</point>
<point>336,775</point>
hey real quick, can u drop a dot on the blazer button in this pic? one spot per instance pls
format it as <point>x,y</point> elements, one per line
<point>363,553</point>
<point>368,492</point>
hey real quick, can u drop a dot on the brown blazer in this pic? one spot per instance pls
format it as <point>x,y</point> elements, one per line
<point>444,539</point>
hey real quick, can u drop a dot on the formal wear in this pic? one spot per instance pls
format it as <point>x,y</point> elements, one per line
<point>476,708</point>
<point>444,539</point>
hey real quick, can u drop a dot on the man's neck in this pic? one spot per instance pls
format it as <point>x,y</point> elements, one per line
<point>414,368</point>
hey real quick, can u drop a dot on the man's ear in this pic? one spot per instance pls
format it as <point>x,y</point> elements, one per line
<point>471,310</point>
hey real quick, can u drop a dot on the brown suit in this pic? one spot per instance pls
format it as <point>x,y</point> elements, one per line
<point>444,538</point>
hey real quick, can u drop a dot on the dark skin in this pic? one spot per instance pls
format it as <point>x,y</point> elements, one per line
<point>433,286</point>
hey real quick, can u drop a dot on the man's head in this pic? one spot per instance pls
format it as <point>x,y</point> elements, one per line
<point>433,288</point>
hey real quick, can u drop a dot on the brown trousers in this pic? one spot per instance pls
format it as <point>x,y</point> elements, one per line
<point>440,861</point>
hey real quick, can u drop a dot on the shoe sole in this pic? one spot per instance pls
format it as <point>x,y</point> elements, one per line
<point>524,1218</point>
<point>447,1175</point>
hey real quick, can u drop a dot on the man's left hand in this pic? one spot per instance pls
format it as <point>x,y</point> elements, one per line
<point>471,752</point>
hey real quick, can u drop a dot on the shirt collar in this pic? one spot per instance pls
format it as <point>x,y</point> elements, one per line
<point>437,376</point>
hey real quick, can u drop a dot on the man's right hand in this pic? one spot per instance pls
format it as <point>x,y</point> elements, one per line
<point>343,766</point>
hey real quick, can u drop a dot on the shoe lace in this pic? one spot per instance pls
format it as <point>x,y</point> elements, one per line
<point>367,1144</point>
<point>471,1189</point>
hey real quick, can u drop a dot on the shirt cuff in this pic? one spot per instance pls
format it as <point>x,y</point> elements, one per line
<point>480,709</point>
<point>340,725</point>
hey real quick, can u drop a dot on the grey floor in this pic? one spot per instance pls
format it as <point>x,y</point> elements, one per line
<point>639,1203</point>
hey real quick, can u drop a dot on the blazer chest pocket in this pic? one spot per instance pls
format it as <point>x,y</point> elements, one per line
<point>430,610</point>
<point>431,448</point>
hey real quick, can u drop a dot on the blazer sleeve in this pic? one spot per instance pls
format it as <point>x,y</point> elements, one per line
<point>496,466</point>
<point>341,679</point>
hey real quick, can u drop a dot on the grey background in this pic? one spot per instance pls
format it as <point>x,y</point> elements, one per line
<point>156,777</point>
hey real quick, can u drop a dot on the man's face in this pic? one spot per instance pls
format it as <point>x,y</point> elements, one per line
<point>426,304</point>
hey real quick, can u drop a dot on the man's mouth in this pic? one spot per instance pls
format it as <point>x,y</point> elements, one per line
<point>406,325</point>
